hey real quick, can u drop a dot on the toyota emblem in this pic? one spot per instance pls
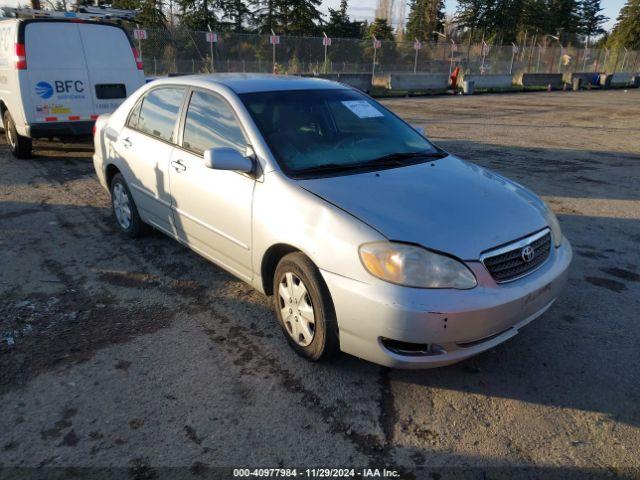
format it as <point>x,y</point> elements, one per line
<point>527,253</point>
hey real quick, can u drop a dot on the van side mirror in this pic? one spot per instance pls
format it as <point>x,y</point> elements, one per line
<point>419,129</point>
<point>227,159</point>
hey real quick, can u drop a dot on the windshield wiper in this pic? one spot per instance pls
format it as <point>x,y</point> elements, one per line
<point>398,158</point>
<point>330,167</point>
<point>392,159</point>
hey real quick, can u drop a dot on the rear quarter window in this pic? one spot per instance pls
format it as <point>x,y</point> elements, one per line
<point>159,112</point>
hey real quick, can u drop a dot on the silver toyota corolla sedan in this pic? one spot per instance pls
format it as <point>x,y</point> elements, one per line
<point>371,239</point>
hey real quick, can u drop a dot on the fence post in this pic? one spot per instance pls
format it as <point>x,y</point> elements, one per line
<point>375,49</point>
<point>560,59</point>
<point>624,59</point>
<point>273,44</point>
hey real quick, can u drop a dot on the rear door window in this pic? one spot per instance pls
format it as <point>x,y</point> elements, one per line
<point>159,112</point>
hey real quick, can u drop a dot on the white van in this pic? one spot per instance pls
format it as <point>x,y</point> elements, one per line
<point>58,75</point>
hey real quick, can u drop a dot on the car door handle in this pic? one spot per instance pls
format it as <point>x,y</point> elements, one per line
<point>126,143</point>
<point>178,166</point>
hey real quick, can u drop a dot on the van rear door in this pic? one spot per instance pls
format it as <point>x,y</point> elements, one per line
<point>113,73</point>
<point>57,73</point>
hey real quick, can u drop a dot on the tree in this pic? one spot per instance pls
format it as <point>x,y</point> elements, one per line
<point>235,14</point>
<point>590,18</point>
<point>300,17</point>
<point>198,14</point>
<point>339,24</point>
<point>151,12</point>
<point>626,32</point>
<point>474,15</point>
<point>380,29</point>
<point>288,17</point>
<point>425,16</point>
<point>563,18</point>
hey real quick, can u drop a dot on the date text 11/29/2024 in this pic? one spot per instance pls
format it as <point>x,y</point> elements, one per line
<point>316,472</point>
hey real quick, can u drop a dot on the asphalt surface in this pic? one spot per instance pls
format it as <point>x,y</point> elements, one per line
<point>142,355</point>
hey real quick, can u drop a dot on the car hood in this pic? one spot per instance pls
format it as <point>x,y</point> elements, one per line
<point>448,205</point>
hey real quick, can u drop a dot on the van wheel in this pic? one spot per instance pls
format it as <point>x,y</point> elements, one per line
<point>21,147</point>
<point>304,308</point>
<point>124,208</point>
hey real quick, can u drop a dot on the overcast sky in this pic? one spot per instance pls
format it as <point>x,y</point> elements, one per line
<point>364,9</point>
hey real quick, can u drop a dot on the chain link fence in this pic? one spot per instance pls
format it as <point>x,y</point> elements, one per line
<point>187,51</point>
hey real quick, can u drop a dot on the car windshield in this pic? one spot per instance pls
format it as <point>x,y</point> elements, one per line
<point>334,131</point>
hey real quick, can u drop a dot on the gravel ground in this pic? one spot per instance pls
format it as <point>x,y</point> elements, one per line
<point>142,355</point>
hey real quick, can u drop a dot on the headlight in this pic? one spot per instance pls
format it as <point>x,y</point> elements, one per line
<point>554,225</point>
<point>413,266</point>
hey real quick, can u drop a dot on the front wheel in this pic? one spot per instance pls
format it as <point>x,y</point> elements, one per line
<point>21,147</point>
<point>304,308</point>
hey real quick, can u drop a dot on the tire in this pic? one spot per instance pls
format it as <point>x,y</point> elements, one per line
<point>21,147</point>
<point>122,202</point>
<point>293,313</point>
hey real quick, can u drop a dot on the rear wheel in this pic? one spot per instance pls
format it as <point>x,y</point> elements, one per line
<point>124,208</point>
<point>21,147</point>
<point>304,308</point>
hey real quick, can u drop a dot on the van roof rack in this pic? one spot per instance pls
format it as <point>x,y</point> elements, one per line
<point>82,13</point>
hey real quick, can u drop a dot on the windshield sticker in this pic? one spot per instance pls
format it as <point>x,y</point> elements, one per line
<point>362,108</point>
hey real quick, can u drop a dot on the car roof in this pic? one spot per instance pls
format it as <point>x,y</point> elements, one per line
<point>254,82</point>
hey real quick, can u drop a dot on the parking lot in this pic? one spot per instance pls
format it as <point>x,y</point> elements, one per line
<point>141,354</point>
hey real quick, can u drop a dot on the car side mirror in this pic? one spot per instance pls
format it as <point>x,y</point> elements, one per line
<point>227,159</point>
<point>419,129</point>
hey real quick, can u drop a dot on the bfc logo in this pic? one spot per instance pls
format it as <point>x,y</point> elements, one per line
<point>44,90</point>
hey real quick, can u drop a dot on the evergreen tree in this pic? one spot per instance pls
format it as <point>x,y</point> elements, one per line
<point>474,15</point>
<point>590,18</point>
<point>198,14</point>
<point>564,18</point>
<point>425,16</point>
<point>626,32</point>
<point>339,24</point>
<point>235,15</point>
<point>151,13</point>
<point>301,17</point>
<point>287,17</point>
<point>535,17</point>
<point>380,29</point>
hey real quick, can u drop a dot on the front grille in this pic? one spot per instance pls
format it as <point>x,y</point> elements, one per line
<point>507,263</point>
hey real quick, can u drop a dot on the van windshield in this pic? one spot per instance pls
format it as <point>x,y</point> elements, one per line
<point>334,131</point>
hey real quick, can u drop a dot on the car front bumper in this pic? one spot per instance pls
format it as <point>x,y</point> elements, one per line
<point>462,323</point>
